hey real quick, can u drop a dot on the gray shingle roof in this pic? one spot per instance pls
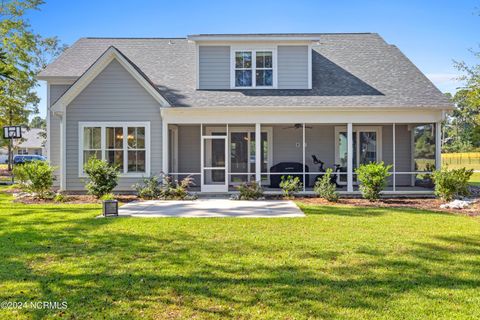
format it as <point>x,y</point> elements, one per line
<point>349,70</point>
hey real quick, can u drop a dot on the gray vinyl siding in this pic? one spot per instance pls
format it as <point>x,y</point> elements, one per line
<point>114,95</point>
<point>56,91</point>
<point>292,67</point>
<point>214,67</point>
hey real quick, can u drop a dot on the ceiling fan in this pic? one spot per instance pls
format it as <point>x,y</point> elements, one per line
<point>297,126</point>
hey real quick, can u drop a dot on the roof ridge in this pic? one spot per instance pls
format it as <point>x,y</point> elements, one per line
<point>135,38</point>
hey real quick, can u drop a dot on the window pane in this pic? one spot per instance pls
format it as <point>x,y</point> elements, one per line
<point>264,59</point>
<point>115,158</point>
<point>91,154</point>
<point>92,138</point>
<point>264,77</point>
<point>136,161</point>
<point>140,137</point>
<point>114,138</point>
<point>243,78</point>
<point>243,59</point>
<point>131,141</point>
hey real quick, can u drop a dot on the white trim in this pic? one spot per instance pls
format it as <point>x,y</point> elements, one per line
<point>165,146</point>
<point>438,145</point>
<point>214,187</point>
<point>124,125</point>
<point>58,80</point>
<point>242,115</point>
<point>252,38</point>
<point>63,152</point>
<point>49,114</point>
<point>394,145</point>
<point>349,155</point>
<point>258,155</point>
<point>304,145</point>
<point>310,66</point>
<point>95,69</point>
<point>173,158</point>
<point>379,142</point>
<point>197,65</point>
<point>254,49</point>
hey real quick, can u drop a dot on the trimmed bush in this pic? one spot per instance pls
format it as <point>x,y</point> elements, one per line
<point>175,190</point>
<point>149,188</point>
<point>290,186</point>
<point>164,187</point>
<point>102,177</point>
<point>450,184</point>
<point>325,189</point>
<point>35,177</point>
<point>250,191</point>
<point>107,196</point>
<point>373,179</point>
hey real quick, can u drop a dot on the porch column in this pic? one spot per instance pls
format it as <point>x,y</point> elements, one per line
<point>303,158</point>
<point>393,156</point>
<point>165,147</point>
<point>63,158</point>
<point>258,152</point>
<point>350,157</point>
<point>438,145</point>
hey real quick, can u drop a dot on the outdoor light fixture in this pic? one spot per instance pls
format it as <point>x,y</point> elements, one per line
<point>110,208</point>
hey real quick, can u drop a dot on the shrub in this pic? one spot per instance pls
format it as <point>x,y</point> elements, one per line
<point>35,177</point>
<point>250,191</point>
<point>325,189</point>
<point>290,186</point>
<point>450,184</point>
<point>149,188</point>
<point>107,196</point>
<point>372,178</point>
<point>172,189</point>
<point>103,177</point>
<point>60,197</point>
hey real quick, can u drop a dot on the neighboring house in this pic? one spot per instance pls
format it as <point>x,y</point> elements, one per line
<point>198,105</point>
<point>32,142</point>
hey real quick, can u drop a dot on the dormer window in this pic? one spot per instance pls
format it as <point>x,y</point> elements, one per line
<point>253,68</point>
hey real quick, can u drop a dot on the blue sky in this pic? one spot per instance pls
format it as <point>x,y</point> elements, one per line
<point>430,33</point>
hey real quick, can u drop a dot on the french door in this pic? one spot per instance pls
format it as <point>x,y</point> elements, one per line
<point>214,162</point>
<point>367,147</point>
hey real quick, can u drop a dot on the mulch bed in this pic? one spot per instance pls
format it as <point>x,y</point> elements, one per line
<point>421,203</point>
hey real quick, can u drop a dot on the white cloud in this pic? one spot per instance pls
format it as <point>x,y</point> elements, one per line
<point>446,82</point>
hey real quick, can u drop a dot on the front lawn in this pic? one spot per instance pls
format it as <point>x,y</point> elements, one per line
<point>338,262</point>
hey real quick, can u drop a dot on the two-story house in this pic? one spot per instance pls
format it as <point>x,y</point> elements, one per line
<point>230,108</point>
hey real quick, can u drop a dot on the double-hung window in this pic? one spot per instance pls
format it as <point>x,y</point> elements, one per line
<point>124,145</point>
<point>253,69</point>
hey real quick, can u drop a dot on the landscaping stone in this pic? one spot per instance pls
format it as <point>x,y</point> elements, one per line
<point>458,204</point>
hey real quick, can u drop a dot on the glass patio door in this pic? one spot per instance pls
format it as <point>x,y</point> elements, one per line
<point>214,164</point>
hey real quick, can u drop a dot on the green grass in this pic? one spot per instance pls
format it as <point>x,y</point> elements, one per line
<point>338,262</point>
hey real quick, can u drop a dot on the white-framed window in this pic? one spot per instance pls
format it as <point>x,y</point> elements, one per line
<point>124,144</point>
<point>367,146</point>
<point>253,68</point>
<point>22,151</point>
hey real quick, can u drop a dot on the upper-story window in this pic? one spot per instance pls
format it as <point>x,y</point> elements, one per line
<point>253,69</point>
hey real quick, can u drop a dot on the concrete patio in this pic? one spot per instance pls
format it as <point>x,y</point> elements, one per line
<point>211,208</point>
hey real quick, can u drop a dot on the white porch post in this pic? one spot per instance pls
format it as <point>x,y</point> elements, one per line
<point>258,154</point>
<point>349,157</point>
<point>303,161</point>
<point>393,156</point>
<point>438,145</point>
<point>63,153</point>
<point>165,155</point>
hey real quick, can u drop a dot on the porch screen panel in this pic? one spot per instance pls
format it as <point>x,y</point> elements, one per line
<point>424,154</point>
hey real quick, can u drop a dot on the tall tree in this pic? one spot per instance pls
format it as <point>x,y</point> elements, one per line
<point>38,122</point>
<point>24,54</point>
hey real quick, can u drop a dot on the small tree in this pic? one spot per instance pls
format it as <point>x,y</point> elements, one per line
<point>325,189</point>
<point>373,179</point>
<point>35,177</point>
<point>103,177</point>
<point>290,186</point>
<point>450,184</point>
